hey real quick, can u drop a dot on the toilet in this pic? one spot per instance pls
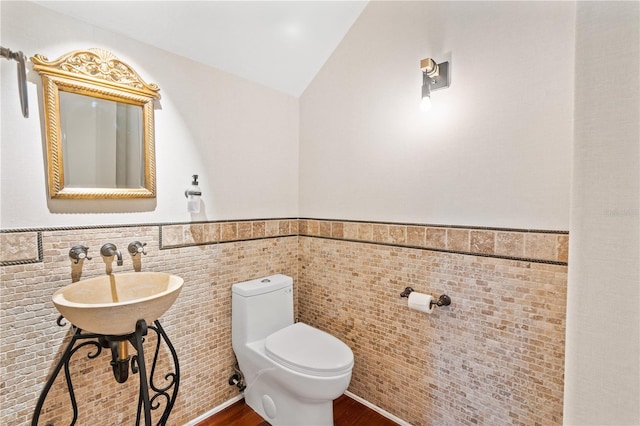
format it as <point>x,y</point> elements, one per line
<point>292,371</point>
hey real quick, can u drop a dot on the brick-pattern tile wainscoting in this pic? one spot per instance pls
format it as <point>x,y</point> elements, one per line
<point>198,324</point>
<point>494,357</point>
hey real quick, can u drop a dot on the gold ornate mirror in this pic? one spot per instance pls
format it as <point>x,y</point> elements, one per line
<point>98,116</point>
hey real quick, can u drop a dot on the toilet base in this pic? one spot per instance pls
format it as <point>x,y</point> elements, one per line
<point>279,408</point>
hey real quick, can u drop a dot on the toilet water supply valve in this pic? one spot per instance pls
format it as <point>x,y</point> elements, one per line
<point>237,378</point>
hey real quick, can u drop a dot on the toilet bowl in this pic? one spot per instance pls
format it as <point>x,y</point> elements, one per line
<point>292,371</point>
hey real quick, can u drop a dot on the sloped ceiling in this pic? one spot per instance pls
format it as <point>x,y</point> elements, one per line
<point>279,44</point>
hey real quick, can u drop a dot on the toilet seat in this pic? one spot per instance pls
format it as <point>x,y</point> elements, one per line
<point>308,350</point>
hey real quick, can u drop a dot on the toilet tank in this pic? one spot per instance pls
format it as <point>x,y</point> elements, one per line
<point>260,307</point>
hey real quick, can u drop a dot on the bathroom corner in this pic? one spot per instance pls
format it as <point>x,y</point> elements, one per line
<point>516,195</point>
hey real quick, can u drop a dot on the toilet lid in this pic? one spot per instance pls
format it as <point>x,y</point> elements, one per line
<point>308,350</point>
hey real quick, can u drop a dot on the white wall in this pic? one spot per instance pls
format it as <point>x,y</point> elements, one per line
<point>493,151</point>
<point>602,372</point>
<point>241,138</point>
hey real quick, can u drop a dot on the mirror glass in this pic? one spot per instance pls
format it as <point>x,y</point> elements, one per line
<point>99,127</point>
<point>102,142</point>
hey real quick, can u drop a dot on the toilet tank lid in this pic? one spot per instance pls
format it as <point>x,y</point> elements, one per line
<point>262,285</point>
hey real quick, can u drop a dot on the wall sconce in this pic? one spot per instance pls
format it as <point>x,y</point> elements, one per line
<point>434,77</point>
<point>193,194</point>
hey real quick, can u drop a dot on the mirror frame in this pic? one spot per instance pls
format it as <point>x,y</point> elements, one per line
<point>96,73</point>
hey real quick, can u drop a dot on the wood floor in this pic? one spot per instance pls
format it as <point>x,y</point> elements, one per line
<point>346,412</point>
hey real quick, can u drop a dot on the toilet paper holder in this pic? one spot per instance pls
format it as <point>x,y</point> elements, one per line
<point>443,300</point>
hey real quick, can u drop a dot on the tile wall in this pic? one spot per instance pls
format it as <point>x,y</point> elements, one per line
<point>494,357</point>
<point>198,324</point>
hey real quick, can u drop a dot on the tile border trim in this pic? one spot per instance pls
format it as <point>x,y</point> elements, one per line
<point>26,261</point>
<point>527,245</point>
<point>432,225</point>
<point>506,243</point>
<point>466,253</point>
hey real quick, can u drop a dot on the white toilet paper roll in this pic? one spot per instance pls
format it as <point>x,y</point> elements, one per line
<point>421,302</point>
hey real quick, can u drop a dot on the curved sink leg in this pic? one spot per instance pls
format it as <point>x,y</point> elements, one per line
<point>166,391</point>
<point>64,362</point>
<point>143,400</point>
<point>171,380</point>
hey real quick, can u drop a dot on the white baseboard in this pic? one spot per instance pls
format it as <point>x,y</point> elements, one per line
<point>349,394</point>
<point>214,410</point>
<point>378,409</point>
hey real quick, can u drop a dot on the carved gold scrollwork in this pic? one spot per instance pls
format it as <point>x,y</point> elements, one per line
<point>97,63</point>
<point>99,74</point>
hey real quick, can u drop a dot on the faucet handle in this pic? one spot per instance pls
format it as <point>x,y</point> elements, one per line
<point>136,247</point>
<point>79,252</point>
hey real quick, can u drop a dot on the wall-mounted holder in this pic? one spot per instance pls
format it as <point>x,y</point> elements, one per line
<point>22,77</point>
<point>193,194</point>
<point>443,300</point>
<point>121,363</point>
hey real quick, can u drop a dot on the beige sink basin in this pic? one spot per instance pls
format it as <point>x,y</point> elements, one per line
<point>112,304</point>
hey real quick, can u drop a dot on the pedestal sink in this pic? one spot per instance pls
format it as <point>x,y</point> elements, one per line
<point>112,304</point>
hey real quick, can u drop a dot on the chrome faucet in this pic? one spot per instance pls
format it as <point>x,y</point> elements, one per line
<point>109,250</point>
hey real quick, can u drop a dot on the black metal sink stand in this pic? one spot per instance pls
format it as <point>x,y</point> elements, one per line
<point>120,368</point>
